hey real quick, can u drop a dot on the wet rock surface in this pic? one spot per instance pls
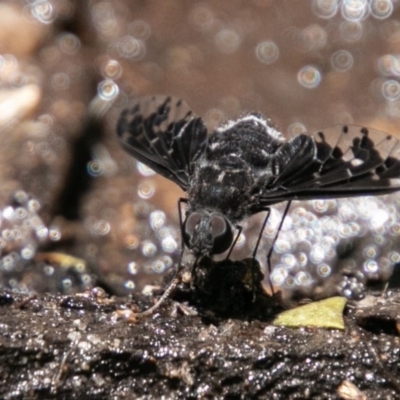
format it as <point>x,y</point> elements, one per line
<point>77,347</point>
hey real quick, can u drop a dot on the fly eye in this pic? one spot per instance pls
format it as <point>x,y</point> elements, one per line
<point>218,225</point>
<point>189,226</point>
<point>221,232</point>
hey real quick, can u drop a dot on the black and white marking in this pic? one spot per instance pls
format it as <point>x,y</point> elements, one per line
<point>246,165</point>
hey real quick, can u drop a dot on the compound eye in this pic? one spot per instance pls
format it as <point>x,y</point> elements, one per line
<point>190,225</point>
<point>218,225</point>
<point>221,232</point>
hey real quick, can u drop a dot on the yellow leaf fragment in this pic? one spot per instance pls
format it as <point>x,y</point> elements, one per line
<point>326,313</point>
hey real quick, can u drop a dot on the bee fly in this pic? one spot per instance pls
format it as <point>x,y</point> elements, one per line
<point>245,166</point>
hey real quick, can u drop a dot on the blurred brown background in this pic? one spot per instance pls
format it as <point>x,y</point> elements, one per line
<point>67,189</point>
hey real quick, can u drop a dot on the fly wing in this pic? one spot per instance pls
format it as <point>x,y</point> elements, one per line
<point>163,133</point>
<point>341,161</point>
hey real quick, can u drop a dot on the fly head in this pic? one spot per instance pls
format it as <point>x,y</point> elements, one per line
<point>207,233</point>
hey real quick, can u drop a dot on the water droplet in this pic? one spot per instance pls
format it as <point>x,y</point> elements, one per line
<point>157,219</point>
<point>391,90</point>
<point>309,77</point>
<point>342,60</point>
<point>133,268</point>
<point>267,52</point>
<point>43,11</point>
<point>381,9</point>
<point>144,169</point>
<point>146,190</point>
<point>354,10</point>
<point>95,168</point>
<point>228,40</point>
<point>107,90</point>
<point>139,29</point>
<point>69,43</point>
<point>149,249</point>
<point>169,244</point>
<point>132,48</point>
<point>325,8</point>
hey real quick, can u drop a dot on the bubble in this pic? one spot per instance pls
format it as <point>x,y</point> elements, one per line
<point>303,278</point>
<point>317,254</point>
<point>169,244</point>
<point>267,52</point>
<point>370,252</point>
<point>41,232</point>
<point>395,229</point>
<point>158,267</point>
<point>351,31</point>
<point>296,129</point>
<point>8,213</point>
<point>388,64</point>
<point>144,169</point>
<point>282,246</point>
<point>130,285</point>
<point>278,276</point>
<point>139,29</point>
<point>86,279</point>
<point>60,81</point>
<point>313,37</point>
<point>324,270</point>
<point>149,249</point>
<point>54,234</point>
<point>381,9</point>
<point>66,283</point>
<point>43,11</point>
<point>379,240</point>
<point>202,17</point>
<point>100,228</point>
<point>146,190</point>
<point>157,219</point>
<point>7,234</point>
<point>342,60</point>
<point>394,257</point>
<point>48,270</point>
<point>20,213</point>
<point>370,266</point>
<point>290,282</point>
<point>309,77</point>
<point>132,48</point>
<point>302,259</point>
<point>133,268</point>
<point>7,263</point>
<point>69,43</point>
<point>391,90</point>
<point>289,260</point>
<point>167,260</point>
<point>131,242</point>
<point>325,8</point>
<point>228,40</point>
<point>111,69</point>
<point>21,196</point>
<point>354,10</point>
<point>107,90</point>
<point>95,168</point>
<point>27,252</point>
<point>33,205</point>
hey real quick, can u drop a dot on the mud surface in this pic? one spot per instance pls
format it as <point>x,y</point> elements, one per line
<point>81,347</point>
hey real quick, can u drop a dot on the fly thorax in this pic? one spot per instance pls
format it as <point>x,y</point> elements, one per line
<point>223,185</point>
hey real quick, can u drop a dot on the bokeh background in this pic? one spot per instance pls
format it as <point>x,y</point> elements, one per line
<point>77,211</point>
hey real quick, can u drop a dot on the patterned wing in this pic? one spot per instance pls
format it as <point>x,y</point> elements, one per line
<point>341,161</point>
<point>163,133</point>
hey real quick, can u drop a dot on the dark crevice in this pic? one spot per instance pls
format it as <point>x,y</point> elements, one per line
<point>78,180</point>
